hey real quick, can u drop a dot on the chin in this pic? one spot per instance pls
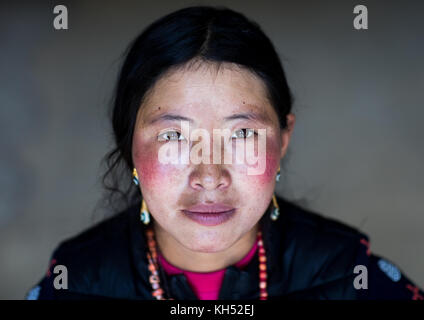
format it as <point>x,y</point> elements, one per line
<point>207,242</point>
<point>207,248</point>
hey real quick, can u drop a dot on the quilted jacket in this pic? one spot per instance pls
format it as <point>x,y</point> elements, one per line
<point>309,256</point>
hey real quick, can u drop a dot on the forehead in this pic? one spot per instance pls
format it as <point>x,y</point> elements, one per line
<point>207,90</point>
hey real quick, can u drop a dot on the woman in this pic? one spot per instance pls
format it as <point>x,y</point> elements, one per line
<point>202,117</point>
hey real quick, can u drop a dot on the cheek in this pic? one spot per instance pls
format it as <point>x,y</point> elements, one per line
<point>270,160</point>
<point>267,178</point>
<point>152,173</point>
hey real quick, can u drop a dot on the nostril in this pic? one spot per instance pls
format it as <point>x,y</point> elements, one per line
<point>222,185</point>
<point>199,186</point>
<point>210,178</point>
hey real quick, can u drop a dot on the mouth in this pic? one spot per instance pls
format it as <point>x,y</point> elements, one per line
<point>210,214</point>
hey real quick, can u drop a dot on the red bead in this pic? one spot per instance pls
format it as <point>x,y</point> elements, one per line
<point>151,267</point>
<point>158,292</point>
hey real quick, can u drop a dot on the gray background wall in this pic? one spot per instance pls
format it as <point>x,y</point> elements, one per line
<point>356,154</point>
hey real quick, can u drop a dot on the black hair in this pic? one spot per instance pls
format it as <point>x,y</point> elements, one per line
<point>201,33</point>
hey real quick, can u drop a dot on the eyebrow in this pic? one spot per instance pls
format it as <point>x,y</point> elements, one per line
<point>238,116</point>
<point>170,117</point>
<point>248,116</point>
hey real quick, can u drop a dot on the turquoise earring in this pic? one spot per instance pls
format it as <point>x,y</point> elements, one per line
<point>135,177</point>
<point>276,210</point>
<point>144,212</point>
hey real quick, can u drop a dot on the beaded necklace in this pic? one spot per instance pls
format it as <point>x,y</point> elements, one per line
<point>154,278</point>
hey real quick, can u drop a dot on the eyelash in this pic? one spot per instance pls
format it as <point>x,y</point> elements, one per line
<point>233,136</point>
<point>160,136</point>
<point>252,131</point>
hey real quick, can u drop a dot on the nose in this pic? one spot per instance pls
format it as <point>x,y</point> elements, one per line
<point>210,177</point>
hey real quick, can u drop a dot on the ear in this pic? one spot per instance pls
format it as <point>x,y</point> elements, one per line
<point>286,133</point>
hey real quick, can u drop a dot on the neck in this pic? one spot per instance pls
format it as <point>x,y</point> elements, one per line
<point>194,261</point>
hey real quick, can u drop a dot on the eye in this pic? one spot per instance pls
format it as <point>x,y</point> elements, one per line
<point>170,136</point>
<point>244,133</point>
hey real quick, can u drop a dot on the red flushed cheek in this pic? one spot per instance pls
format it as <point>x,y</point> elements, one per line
<point>271,161</point>
<point>271,166</point>
<point>152,173</point>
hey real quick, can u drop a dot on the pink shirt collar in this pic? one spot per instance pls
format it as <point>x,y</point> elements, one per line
<point>206,285</point>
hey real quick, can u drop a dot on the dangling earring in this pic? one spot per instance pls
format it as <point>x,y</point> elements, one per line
<point>276,211</point>
<point>144,213</point>
<point>277,177</point>
<point>135,177</point>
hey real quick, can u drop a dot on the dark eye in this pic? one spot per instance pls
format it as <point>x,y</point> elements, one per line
<point>243,133</point>
<point>170,136</point>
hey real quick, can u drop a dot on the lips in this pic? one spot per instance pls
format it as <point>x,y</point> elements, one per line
<point>209,208</point>
<point>210,214</point>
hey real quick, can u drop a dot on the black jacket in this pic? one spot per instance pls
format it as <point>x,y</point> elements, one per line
<point>308,257</point>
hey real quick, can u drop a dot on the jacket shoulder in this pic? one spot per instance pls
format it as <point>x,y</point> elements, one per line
<point>97,260</point>
<point>308,219</point>
<point>320,252</point>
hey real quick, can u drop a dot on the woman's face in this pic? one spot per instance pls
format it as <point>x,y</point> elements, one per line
<point>207,174</point>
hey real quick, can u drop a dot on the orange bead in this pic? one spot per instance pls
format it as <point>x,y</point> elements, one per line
<point>157,292</point>
<point>151,267</point>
